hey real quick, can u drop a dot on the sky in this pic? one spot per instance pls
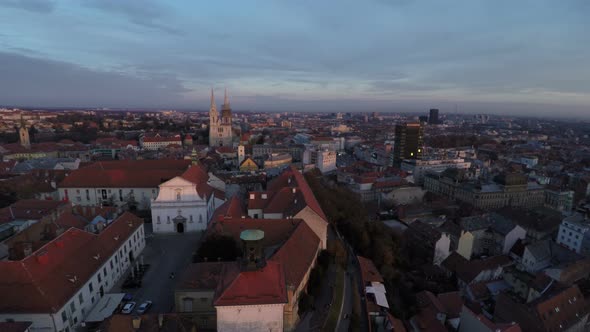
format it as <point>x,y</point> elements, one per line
<point>518,57</point>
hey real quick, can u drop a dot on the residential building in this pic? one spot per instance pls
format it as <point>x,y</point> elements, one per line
<point>572,233</point>
<point>432,244</point>
<point>322,158</point>
<point>560,200</point>
<point>436,312</point>
<point>488,234</point>
<point>56,286</point>
<point>122,183</point>
<point>559,309</point>
<point>419,167</point>
<point>476,320</point>
<point>157,141</point>
<point>289,196</point>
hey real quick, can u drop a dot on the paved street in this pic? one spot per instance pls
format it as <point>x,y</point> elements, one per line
<point>165,254</point>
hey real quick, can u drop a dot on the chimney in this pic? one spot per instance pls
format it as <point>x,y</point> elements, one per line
<point>160,320</point>
<point>136,322</point>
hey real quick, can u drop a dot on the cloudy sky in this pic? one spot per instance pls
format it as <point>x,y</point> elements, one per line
<point>364,55</point>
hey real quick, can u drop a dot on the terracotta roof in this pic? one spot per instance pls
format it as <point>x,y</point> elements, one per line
<point>453,261</point>
<point>163,164</point>
<point>15,326</point>
<point>452,302</point>
<point>195,174</point>
<point>563,309</point>
<point>262,286</point>
<point>29,209</point>
<point>117,178</point>
<point>291,177</point>
<point>174,139</point>
<point>369,271</point>
<point>287,201</point>
<point>276,231</point>
<point>258,202</point>
<point>45,280</point>
<point>298,254</point>
<point>229,209</point>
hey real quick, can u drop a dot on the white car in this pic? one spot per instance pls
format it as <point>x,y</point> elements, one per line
<point>144,307</point>
<point>128,308</point>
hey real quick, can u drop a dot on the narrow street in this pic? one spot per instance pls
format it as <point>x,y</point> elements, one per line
<point>169,253</point>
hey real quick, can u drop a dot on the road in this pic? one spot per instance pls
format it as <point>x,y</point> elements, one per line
<point>170,253</point>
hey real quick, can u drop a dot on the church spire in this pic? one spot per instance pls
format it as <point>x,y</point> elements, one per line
<point>226,100</point>
<point>212,99</point>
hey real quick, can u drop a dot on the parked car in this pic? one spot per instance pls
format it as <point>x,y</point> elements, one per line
<point>128,308</point>
<point>144,307</point>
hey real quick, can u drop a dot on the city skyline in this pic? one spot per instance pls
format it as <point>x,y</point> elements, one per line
<point>526,58</point>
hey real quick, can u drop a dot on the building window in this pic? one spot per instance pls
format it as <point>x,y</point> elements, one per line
<point>191,218</point>
<point>90,287</point>
<point>73,306</point>
<point>99,278</point>
<point>104,272</point>
<point>158,218</point>
<point>200,218</point>
<point>81,298</point>
<point>187,304</point>
<point>64,316</point>
<point>111,264</point>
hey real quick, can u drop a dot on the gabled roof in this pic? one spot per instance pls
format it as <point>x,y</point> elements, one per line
<point>195,174</point>
<point>262,286</point>
<point>44,281</point>
<point>276,231</point>
<point>291,177</point>
<point>469,270</point>
<point>229,209</point>
<point>297,254</point>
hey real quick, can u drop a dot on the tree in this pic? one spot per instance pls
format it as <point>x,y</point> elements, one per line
<point>218,248</point>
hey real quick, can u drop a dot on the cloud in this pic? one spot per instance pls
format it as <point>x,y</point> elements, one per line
<point>144,13</point>
<point>38,6</point>
<point>34,81</point>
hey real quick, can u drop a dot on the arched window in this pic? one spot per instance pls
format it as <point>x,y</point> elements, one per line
<point>178,192</point>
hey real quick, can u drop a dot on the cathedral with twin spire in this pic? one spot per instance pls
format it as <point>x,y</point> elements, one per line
<point>220,131</point>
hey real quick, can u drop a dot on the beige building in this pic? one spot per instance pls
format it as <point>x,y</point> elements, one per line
<point>510,190</point>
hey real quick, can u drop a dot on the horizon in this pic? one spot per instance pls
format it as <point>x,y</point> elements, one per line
<point>524,59</point>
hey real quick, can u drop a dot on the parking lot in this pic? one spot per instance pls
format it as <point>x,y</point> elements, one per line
<point>165,254</point>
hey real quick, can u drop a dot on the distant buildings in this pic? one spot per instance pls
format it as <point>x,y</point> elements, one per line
<point>510,190</point>
<point>433,116</point>
<point>418,168</point>
<point>220,128</point>
<point>409,142</point>
<point>323,158</point>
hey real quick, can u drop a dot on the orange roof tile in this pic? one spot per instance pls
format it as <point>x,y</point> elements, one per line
<point>44,281</point>
<point>263,286</point>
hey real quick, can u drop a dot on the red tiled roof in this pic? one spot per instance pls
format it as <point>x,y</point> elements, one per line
<point>258,202</point>
<point>163,164</point>
<point>15,326</point>
<point>262,286</point>
<point>30,209</point>
<point>452,302</point>
<point>369,271</point>
<point>293,178</point>
<point>569,311</point>
<point>276,231</point>
<point>45,280</point>
<point>172,139</point>
<point>298,254</point>
<point>195,174</point>
<point>231,209</point>
<point>286,201</point>
<point>149,323</point>
<point>89,177</point>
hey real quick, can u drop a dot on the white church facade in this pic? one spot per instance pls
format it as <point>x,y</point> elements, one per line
<point>185,203</point>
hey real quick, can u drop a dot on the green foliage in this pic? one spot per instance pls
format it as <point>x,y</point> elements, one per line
<point>305,303</point>
<point>218,248</point>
